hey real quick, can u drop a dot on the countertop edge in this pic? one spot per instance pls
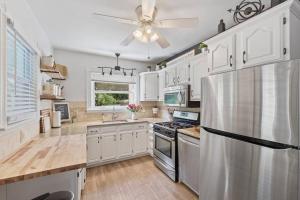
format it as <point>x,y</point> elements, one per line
<point>185,132</point>
<point>42,173</point>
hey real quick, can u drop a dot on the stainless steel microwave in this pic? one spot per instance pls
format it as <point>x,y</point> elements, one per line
<point>179,96</point>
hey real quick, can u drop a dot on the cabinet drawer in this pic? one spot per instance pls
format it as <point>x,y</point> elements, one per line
<point>127,127</point>
<point>108,129</point>
<point>141,126</point>
<point>93,130</point>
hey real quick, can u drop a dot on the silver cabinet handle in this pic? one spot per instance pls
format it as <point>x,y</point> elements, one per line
<point>230,60</point>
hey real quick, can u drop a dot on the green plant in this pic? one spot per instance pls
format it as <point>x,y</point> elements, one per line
<point>202,45</point>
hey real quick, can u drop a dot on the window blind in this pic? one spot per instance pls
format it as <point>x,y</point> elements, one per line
<point>21,79</point>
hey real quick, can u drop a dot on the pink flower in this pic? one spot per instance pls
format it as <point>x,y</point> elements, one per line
<point>134,107</point>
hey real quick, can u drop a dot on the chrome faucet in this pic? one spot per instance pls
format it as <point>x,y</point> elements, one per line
<point>114,116</point>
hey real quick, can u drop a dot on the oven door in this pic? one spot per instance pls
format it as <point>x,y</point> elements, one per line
<point>164,149</point>
<point>175,98</point>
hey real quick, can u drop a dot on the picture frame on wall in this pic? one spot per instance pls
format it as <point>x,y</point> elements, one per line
<point>64,108</point>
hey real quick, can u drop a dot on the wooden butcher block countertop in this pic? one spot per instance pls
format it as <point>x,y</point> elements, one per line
<point>45,155</point>
<point>193,132</point>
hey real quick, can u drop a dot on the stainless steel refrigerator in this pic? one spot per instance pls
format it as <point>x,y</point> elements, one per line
<point>249,142</point>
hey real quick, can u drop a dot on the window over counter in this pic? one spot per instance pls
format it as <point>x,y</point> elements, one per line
<point>18,76</point>
<point>110,93</point>
<point>21,79</point>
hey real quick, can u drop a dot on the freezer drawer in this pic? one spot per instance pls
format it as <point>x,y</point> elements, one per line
<point>231,169</point>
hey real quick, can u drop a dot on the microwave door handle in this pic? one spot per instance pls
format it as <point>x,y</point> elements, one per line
<point>182,97</point>
<point>179,96</point>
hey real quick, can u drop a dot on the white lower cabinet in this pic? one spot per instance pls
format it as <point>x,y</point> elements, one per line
<point>140,141</point>
<point>125,142</point>
<point>32,188</point>
<point>125,148</point>
<point>108,145</point>
<point>93,148</point>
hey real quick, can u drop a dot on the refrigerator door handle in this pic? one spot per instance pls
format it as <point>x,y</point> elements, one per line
<point>260,142</point>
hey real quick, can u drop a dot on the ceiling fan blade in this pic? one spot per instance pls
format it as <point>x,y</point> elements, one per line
<point>148,9</point>
<point>118,19</point>
<point>128,40</point>
<point>162,41</point>
<point>177,23</point>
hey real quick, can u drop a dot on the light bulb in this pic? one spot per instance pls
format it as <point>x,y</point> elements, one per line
<point>148,29</point>
<point>154,37</point>
<point>138,33</point>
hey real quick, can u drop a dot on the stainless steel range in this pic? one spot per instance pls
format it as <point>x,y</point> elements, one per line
<point>165,141</point>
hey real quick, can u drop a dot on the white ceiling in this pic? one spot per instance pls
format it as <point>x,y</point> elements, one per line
<point>71,25</point>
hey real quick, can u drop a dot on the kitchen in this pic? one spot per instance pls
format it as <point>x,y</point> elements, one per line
<point>123,108</point>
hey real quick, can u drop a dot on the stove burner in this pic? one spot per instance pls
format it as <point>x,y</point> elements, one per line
<point>175,125</point>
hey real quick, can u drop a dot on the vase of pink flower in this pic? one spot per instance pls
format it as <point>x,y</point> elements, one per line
<point>134,108</point>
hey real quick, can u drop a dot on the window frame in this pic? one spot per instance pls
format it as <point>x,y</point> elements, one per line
<point>34,116</point>
<point>94,76</point>
<point>3,124</point>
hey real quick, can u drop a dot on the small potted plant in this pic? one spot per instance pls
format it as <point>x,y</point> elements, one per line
<point>203,47</point>
<point>134,108</point>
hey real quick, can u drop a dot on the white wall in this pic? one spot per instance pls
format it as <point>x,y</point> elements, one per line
<point>27,24</point>
<point>78,63</point>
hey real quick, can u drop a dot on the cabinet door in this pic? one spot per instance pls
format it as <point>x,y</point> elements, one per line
<point>198,69</point>
<point>261,42</point>
<point>140,141</point>
<point>170,76</point>
<point>221,56</point>
<point>161,85</point>
<point>108,144</point>
<point>189,163</point>
<point>151,87</point>
<point>182,73</point>
<point>93,149</point>
<point>142,88</point>
<point>125,147</point>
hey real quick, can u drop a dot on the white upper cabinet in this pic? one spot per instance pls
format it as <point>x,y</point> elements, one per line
<point>170,76</point>
<point>269,37</point>
<point>261,42</point>
<point>221,56</point>
<point>108,144</point>
<point>125,144</point>
<point>177,74</point>
<point>149,86</point>
<point>182,72</point>
<point>161,84</point>
<point>198,69</point>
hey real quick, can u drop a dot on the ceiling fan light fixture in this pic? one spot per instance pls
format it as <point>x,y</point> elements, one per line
<point>148,29</point>
<point>154,37</point>
<point>138,33</point>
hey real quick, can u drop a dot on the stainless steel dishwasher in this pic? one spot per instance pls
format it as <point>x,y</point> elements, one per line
<point>189,161</point>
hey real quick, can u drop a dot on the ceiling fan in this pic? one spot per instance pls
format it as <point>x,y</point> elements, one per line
<point>146,22</point>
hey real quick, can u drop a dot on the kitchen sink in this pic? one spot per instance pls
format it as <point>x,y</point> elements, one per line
<point>115,121</point>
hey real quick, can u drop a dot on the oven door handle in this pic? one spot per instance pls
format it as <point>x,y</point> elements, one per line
<point>164,137</point>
